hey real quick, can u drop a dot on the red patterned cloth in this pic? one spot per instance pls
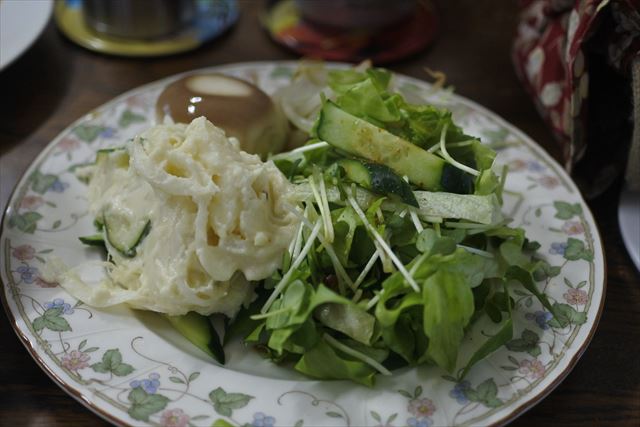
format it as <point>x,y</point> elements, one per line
<point>575,58</point>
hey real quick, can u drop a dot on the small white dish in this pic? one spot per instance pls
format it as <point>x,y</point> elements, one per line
<point>629,219</point>
<point>21,23</point>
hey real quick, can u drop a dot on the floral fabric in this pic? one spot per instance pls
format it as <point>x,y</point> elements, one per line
<point>560,46</point>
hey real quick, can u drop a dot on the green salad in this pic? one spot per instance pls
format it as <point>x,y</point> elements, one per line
<point>402,244</point>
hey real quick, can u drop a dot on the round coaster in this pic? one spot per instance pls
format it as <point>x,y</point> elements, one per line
<point>212,19</point>
<point>285,24</point>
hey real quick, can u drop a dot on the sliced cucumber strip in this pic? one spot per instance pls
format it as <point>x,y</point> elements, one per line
<point>93,240</point>
<point>118,157</point>
<point>199,330</point>
<point>98,224</point>
<point>379,179</point>
<point>125,233</point>
<point>363,139</point>
<point>456,181</point>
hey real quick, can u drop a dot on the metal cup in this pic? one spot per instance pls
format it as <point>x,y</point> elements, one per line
<point>138,19</point>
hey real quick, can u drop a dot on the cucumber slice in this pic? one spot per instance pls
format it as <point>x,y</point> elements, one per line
<point>108,150</point>
<point>379,179</point>
<point>125,233</point>
<point>363,139</point>
<point>199,330</point>
<point>98,224</point>
<point>118,157</point>
<point>93,240</point>
<point>456,181</point>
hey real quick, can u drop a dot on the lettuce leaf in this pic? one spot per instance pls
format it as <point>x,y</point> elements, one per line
<point>365,95</point>
<point>324,362</point>
<point>448,307</point>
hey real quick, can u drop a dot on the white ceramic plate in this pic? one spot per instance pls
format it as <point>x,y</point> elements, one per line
<point>131,368</point>
<point>21,22</point>
<point>629,220</point>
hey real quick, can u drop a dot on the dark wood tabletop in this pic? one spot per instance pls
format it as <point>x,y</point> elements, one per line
<point>56,82</point>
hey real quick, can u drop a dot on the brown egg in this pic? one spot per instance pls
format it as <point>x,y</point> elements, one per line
<point>240,108</point>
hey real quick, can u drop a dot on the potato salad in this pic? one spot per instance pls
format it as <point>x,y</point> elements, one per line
<point>188,220</point>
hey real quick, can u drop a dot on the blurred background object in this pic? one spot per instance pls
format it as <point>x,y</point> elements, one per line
<point>138,19</point>
<point>352,30</point>
<point>580,61</point>
<point>21,22</point>
<point>356,14</point>
<point>575,58</point>
<point>144,27</point>
<point>629,210</point>
<point>629,219</point>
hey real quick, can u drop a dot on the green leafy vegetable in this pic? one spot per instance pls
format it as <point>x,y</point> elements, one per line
<point>448,307</point>
<point>421,266</point>
<point>324,362</point>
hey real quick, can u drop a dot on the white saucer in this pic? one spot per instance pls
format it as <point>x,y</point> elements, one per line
<point>21,22</point>
<point>629,219</point>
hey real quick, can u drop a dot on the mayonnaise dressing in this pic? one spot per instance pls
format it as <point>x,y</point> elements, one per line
<point>219,218</point>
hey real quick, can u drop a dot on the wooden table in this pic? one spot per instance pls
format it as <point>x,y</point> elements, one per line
<point>56,82</point>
